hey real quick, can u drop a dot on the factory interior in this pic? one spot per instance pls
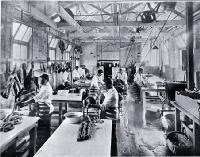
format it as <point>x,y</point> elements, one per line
<point>99,78</point>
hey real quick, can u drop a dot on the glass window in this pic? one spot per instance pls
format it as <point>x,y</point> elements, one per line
<point>19,53</point>
<point>52,54</point>
<point>27,35</point>
<point>49,38</point>
<point>55,43</point>
<point>21,32</point>
<point>52,42</point>
<point>15,27</point>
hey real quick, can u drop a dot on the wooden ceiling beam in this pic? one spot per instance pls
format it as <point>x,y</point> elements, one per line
<point>110,40</point>
<point>100,9</point>
<point>124,23</point>
<point>38,15</point>
<point>177,13</point>
<point>132,8</point>
<point>110,1</point>
<point>61,11</point>
<point>108,34</point>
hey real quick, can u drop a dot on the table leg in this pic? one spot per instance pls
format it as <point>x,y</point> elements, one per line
<point>66,104</point>
<point>196,139</point>
<point>33,139</point>
<point>177,120</point>
<point>144,107</point>
<point>60,113</point>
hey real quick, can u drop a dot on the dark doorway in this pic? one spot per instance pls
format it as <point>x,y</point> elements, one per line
<point>107,70</point>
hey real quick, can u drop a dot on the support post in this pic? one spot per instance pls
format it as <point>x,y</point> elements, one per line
<point>189,48</point>
<point>177,120</point>
<point>196,138</point>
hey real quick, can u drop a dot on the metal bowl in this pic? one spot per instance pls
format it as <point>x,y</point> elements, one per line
<point>73,117</point>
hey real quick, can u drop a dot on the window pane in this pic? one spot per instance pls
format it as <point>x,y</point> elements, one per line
<point>52,54</point>
<point>21,32</point>
<point>23,53</point>
<point>15,27</point>
<point>49,38</point>
<point>16,51</point>
<point>27,35</point>
<point>52,42</point>
<point>55,43</point>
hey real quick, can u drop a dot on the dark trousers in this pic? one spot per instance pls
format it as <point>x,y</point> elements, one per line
<point>136,92</point>
<point>43,132</point>
<point>114,140</point>
<point>44,123</point>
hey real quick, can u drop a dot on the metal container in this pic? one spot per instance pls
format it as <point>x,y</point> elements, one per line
<point>73,117</point>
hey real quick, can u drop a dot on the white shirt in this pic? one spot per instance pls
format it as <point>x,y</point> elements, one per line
<point>45,95</point>
<point>81,72</point>
<point>111,98</point>
<point>97,81</point>
<point>65,77</point>
<point>122,77</point>
<point>75,74</point>
<point>139,78</point>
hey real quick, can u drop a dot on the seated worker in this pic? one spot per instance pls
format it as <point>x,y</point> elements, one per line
<point>109,109</point>
<point>66,76</point>
<point>43,99</point>
<point>139,78</point>
<point>44,95</point>
<point>110,103</point>
<point>81,71</point>
<point>86,70</point>
<point>97,80</point>
<point>122,76</point>
<point>96,85</point>
<point>75,74</point>
<point>96,68</point>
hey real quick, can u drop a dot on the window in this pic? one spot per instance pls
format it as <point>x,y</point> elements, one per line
<point>15,28</point>
<point>52,54</point>
<point>53,43</point>
<point>19,53</point>
<point>21,32</point>
<point>67,56</point>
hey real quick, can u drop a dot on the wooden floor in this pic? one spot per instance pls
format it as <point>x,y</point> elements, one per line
<point>132,138</point>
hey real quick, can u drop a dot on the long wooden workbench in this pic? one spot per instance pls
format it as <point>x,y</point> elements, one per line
<point>64,142</point>
<point>63,98</point>
<point>9,138</point>
<point>188,107</point>
<point>143,91</point>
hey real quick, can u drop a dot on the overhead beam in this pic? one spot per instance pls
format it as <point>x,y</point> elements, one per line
<point>124,23</point>
<point>111,40</point>
<point>109,34</point>
<point>61,11</point>
<point>38,15</point>
<point>177,13</point>
<point>112,1</point>
<point>131,8</point>
<point>100,9</point>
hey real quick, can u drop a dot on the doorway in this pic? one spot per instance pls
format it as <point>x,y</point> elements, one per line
<point>107,70</point>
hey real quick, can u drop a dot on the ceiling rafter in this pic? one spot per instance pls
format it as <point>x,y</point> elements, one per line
<point>38,15</point>
<point>125,23</point>
<point>82,6</point>
<point>61,11</point>
<point>177,13</point>
<point>131,8</point>
<point>100,9</point>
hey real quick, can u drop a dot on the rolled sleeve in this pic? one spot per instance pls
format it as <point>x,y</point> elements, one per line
<point>40,95</point>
